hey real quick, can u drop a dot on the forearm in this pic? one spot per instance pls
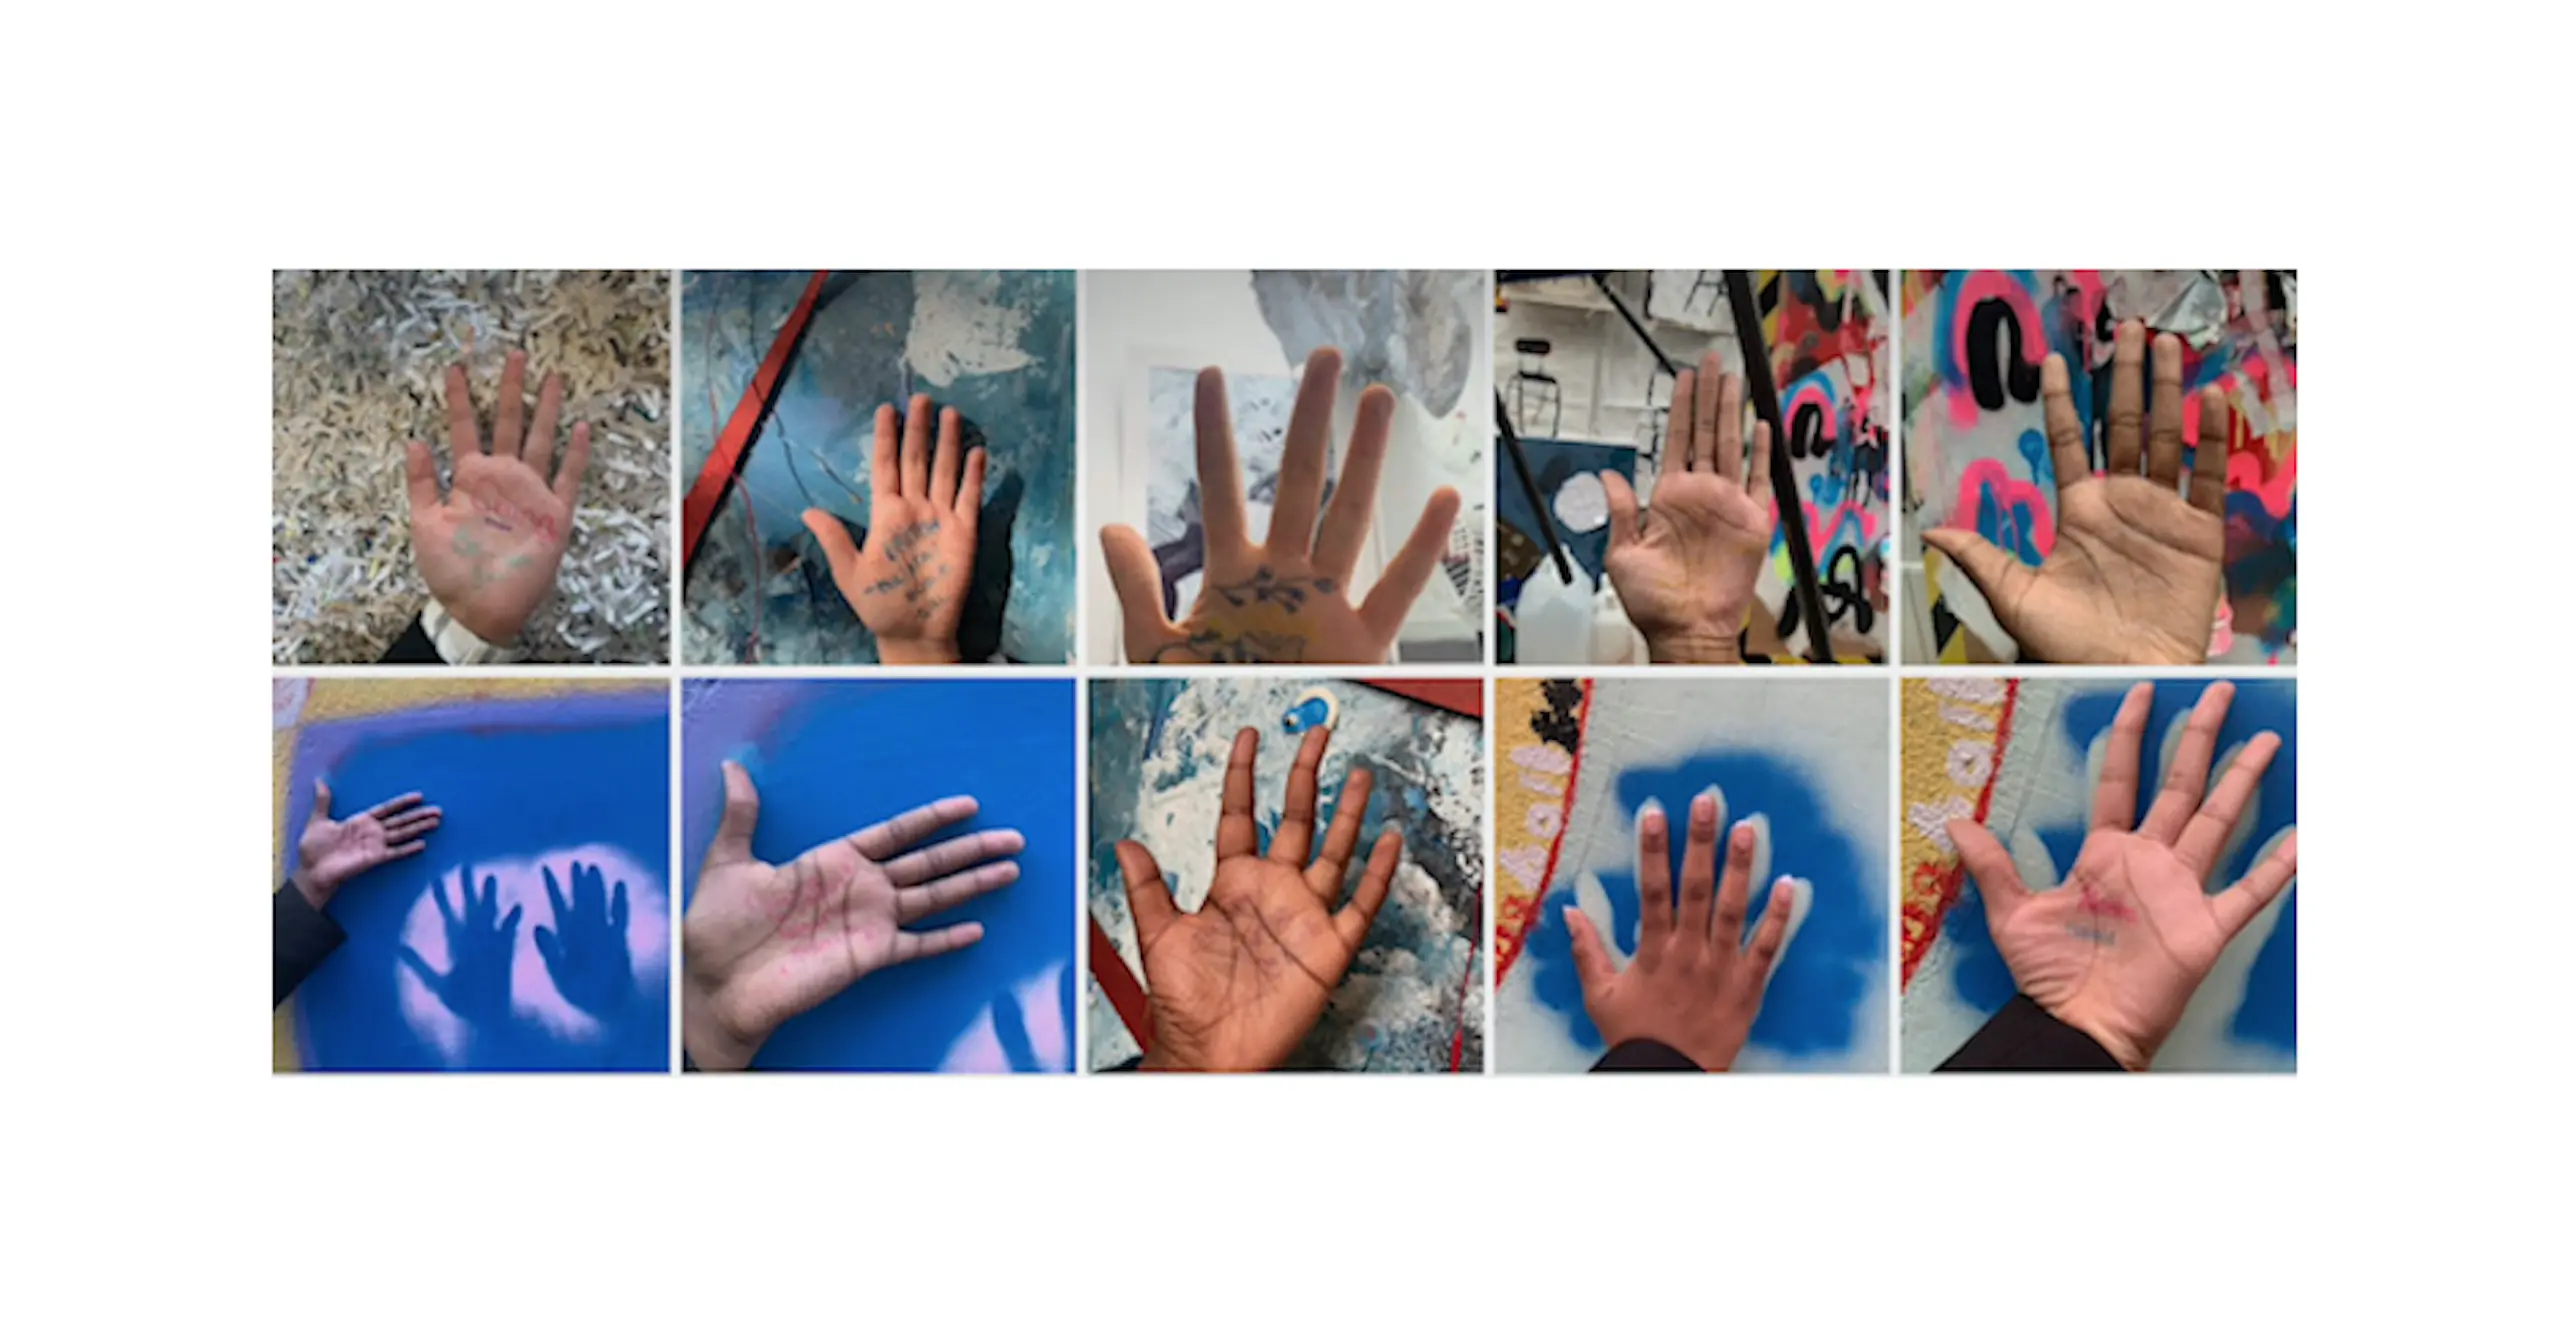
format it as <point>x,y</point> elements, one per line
<point>304,938</point>
<point>1642,1055</point>
<point>2023,1037</point>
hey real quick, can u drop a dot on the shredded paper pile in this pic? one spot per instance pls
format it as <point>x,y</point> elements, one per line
<point>360,360</point>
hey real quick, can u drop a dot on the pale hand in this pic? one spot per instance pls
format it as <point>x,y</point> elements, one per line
<point>2136,570</point>
<point>490,550</point>
<point>332,852</point>
<point>765,943</point>
<point>909,579</point>
<point>1288,599</point>
<point>2119,947</point>
<point>1685,567</point>
<point>1694,983</point>
<point>1236,985</point>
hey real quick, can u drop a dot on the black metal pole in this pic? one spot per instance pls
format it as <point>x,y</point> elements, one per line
<point>1537,503</point>
<point>1782,472</point>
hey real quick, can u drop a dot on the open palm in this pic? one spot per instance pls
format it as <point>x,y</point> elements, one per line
<point>332,851</point>
<point>2120,946</point>
<point>1288,599</point>
<point>909,579</point>
<point>2136,570</point>
<point>490,549</point>
<point>1685,566</point>
<point>765,943</point>
<point>1237,984</point>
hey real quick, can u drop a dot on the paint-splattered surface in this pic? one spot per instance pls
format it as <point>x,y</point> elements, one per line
<point>1000,346</point>
<point>2023,757</point>
<point>1979,459</point>
<point>359,370</point>
<point>1575,760</point>
<point>830,757</point>
<point>534,777</point>
<point>1414,998</point>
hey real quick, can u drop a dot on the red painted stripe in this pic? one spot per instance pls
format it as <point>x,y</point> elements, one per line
<point>1460,696</point>
<point>1119,984</point>
<point>1913,949</point>
<point>703,500</point>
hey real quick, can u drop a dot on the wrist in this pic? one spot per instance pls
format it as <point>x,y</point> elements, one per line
<point>715,1042</point>
<point>1693,647</point>
<point>469,637</point>
<point>919,651</point>
<point>315,888</point>
<point>1157,1061</point>
<point>2110,1035</point>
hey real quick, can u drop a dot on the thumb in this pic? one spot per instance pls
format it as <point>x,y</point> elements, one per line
<point>737,836</point>
<point>319,800</point>
<point>1623,515</point>
<point>1993,570</point>
<point>1994,873</point>
<point>1590,959</point>
<point>1140,583</point>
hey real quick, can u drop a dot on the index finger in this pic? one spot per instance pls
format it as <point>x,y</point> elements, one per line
<point>2124,403</point>
<point>461,420</point>
<point>1236,835</point>
<point>2062,436</point>
<point>885,839</point>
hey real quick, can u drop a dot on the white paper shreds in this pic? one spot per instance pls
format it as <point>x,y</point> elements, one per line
<point>359,371</point>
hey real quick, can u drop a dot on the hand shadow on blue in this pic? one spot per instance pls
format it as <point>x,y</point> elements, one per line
<point>2266,1013</point>
<point>1815,996</point>
<point>508,793</point>
<point>844,755</point>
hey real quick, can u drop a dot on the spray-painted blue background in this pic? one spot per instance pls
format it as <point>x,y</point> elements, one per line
<point>1552,462</point>
<point>515,780</point>
<point>815,451</point>
<point>832,757</point>
<point>2264,1019</point>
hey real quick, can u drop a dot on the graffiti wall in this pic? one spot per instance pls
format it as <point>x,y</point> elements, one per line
<point>1414,998</point>
<point>1805,760</point>
<point>554,799</point>
<point>2022,758</point>
<point>999,346</point>
<point>1978,458</point>
<point>830,757</point>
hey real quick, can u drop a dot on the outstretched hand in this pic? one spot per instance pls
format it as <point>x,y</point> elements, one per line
<point>1288,599</point>
<point>1237,984</point>
<point>330,852</point>
<point>908,580</point>
<point>1693,984</point>
<point>490,550</point>
<point>1684,568</point>
<point>2117,950</point>
<point>766,943</point>
<point>2135,570</point>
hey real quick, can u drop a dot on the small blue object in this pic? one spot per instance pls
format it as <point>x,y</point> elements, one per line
<point>1314,708</point>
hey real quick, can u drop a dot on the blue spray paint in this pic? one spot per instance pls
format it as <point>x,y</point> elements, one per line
<point>1839,950</point>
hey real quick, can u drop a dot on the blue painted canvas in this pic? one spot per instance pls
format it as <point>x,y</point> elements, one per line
<point>1553,466</point>
<point>2242,1017</point>
<point>1807,762</point>
<point>831,757</point>
<point>999,346</point>
<point>572,788</point>
<point>1414,998</point>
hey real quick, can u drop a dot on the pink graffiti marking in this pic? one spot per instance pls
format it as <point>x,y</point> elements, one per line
<point>2106,908</point>
<point>2006,491</point>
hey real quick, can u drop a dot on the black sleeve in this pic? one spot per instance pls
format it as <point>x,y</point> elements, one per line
<point>305,936</point>
<point>1129,1065</point>
<point>1644,1056</point>
<point>414,645</point>
<point>2022,1037</point>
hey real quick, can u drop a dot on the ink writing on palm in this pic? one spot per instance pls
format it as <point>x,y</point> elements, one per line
<point>765,943</point>
<point>2136,570</point>
<point>1237,984</point>
<point>909,578</point>
<point>1684,567</point>
<point>478,982</point>
<point>587,946</point>
<point>2121,945</point>
<point>330,852</point>
<point>1287,599</point>
<point>490,549</point>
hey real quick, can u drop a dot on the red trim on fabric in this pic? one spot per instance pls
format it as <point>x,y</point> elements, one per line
<point>1119,984</point>
<point>1460,696</point>
<point>1948,879</point>
<point>1458,1039</point>
<point>703,500</point>
<point>1555,849</point>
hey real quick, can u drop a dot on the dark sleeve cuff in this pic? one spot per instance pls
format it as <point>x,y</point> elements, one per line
<point>2022,1037</point>
<point>305,936</point>
<point>1645,1056</point>
<point>413,645</point>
